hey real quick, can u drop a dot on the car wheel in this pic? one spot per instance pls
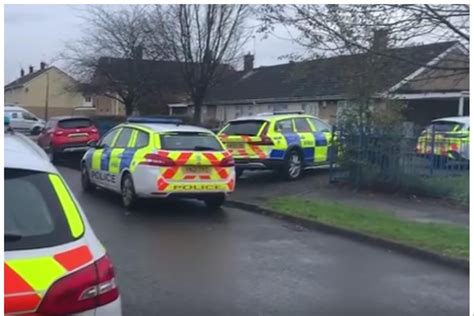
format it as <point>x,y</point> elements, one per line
<point>129,197</point>
<point>293,165</point>
<point>215,202</point>
<point>87,185</point>
<point>36,131</point>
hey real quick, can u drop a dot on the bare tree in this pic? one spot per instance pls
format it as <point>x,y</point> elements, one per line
<point>203,38</point>
<point>112,32</point>
<point>338,29</point>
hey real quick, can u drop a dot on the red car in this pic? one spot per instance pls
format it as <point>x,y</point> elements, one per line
<point>65,134</point>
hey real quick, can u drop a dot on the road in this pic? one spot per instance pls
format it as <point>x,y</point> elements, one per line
<point>177,258</point>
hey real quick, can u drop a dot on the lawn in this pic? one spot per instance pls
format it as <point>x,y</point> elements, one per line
<point>445,239</point>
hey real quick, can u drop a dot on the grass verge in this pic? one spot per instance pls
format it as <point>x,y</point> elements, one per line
<point>446,239</point>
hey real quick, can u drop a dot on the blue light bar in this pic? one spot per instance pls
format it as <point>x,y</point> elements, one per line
<point>6,121</point>
<point>155,120</point>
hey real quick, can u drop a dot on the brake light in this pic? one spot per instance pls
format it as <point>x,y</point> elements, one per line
<point>94,130</point>
<point>58,132</point>
<point>86,289</point>
<point>227,162</point>
<point>157,160</point>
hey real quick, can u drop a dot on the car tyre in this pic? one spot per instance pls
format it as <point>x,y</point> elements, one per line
<point>87,185</point>
<point>215,202</point>
<point>129,197</point>
<point>35,131</point>
<point>293,167</point>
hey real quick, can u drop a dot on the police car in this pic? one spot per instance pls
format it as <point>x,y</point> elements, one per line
<point>285,141</point>
<point>160,157</point>
<point>54,264</point>
<point>449,137</point>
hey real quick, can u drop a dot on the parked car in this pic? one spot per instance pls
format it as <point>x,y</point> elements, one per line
<point>445,139</point>
<point>54,264</point>
<point>22,120</point>
<point>159,158</point>
<point>288,142</point>
<point>67,134</point>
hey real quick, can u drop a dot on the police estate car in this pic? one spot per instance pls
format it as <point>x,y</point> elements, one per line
<point>156,157</point>
<point>285,141</point>
<point>54,264</point>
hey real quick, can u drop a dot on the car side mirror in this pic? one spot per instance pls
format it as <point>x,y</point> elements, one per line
<point>93,144</point>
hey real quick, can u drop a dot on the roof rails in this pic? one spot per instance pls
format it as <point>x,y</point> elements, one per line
<point>281,113</point>
<point>155,120</point>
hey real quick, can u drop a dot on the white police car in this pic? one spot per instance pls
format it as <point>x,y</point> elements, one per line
<point>54,264</point>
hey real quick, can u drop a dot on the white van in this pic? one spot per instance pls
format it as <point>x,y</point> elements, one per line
<point>23,121</point>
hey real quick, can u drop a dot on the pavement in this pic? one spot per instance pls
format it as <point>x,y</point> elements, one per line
<point>315,185</point>
<point>178,258</point>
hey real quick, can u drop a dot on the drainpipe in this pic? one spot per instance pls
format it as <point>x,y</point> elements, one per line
<point>461,105</point>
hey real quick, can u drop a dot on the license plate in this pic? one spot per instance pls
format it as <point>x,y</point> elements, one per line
<point>78,135</point>
<point>235,145</point>
<point>197,169</point>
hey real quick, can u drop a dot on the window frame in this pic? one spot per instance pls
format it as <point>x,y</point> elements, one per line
<point>114,145</point>
<point>328,129</point>
<point>148,138</point>
<point>113,130</point>
<point>281,120</point>
<point>304,119</point>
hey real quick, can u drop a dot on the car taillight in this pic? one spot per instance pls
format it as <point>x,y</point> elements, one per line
<point>157,160</point>
<point>94,130</point>
<point>86,289</point>
<point>227,162</point>
<point>58,132</point>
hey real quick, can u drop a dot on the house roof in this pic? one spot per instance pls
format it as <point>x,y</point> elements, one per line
<point>22,80</point>
<point>321,77</point>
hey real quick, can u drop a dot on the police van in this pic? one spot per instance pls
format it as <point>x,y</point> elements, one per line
<point>285,141</point>
<point>157,158</point>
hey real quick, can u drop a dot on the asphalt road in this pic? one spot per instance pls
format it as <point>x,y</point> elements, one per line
<point>177,258</point>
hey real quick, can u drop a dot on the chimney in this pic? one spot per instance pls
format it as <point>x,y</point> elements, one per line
<point>42,65</point>
<point>380,39</point>
<point>31,69</point>
<point>22,72</point>
<point>248,62</point>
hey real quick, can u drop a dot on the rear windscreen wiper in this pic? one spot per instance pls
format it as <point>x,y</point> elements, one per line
<point>12,236</point>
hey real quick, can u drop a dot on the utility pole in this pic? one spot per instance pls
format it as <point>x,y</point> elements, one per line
<point>46,99</point>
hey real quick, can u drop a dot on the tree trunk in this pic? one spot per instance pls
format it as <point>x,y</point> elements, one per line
<point>197,111</point>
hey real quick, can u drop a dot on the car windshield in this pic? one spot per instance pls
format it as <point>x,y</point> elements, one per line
<point>75,123</point>
<point>190,141</point>
<point>34,217</point>
<point>249,128</point>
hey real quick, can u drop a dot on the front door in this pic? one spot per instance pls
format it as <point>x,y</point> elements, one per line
<point>99,171</point>
<point>307,139</point>
<point>122,144</point>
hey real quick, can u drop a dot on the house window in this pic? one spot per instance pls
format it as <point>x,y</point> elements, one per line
<point>26,90</point>
<point>88,99</point>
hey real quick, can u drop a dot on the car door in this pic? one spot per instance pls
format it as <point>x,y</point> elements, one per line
<point>122,146</point>
<point>307,139</point>
<point>285,136</point>
<point>322,137</point>
<point>99,170</point>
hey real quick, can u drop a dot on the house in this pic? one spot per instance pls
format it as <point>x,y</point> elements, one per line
<point>48,91</point>
<point>320,87</point>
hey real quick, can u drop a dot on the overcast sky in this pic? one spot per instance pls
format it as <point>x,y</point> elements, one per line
<point>35,33</point>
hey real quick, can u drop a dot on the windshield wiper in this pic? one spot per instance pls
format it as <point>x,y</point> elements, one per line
<point>12,236</point>
<point>204,148</point>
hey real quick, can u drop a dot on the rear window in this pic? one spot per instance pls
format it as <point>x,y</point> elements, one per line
<point>445,126</point>
<point>75,123</point>
<point>190,141</point>
<point>34,217</point>
<point>249,128</point>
